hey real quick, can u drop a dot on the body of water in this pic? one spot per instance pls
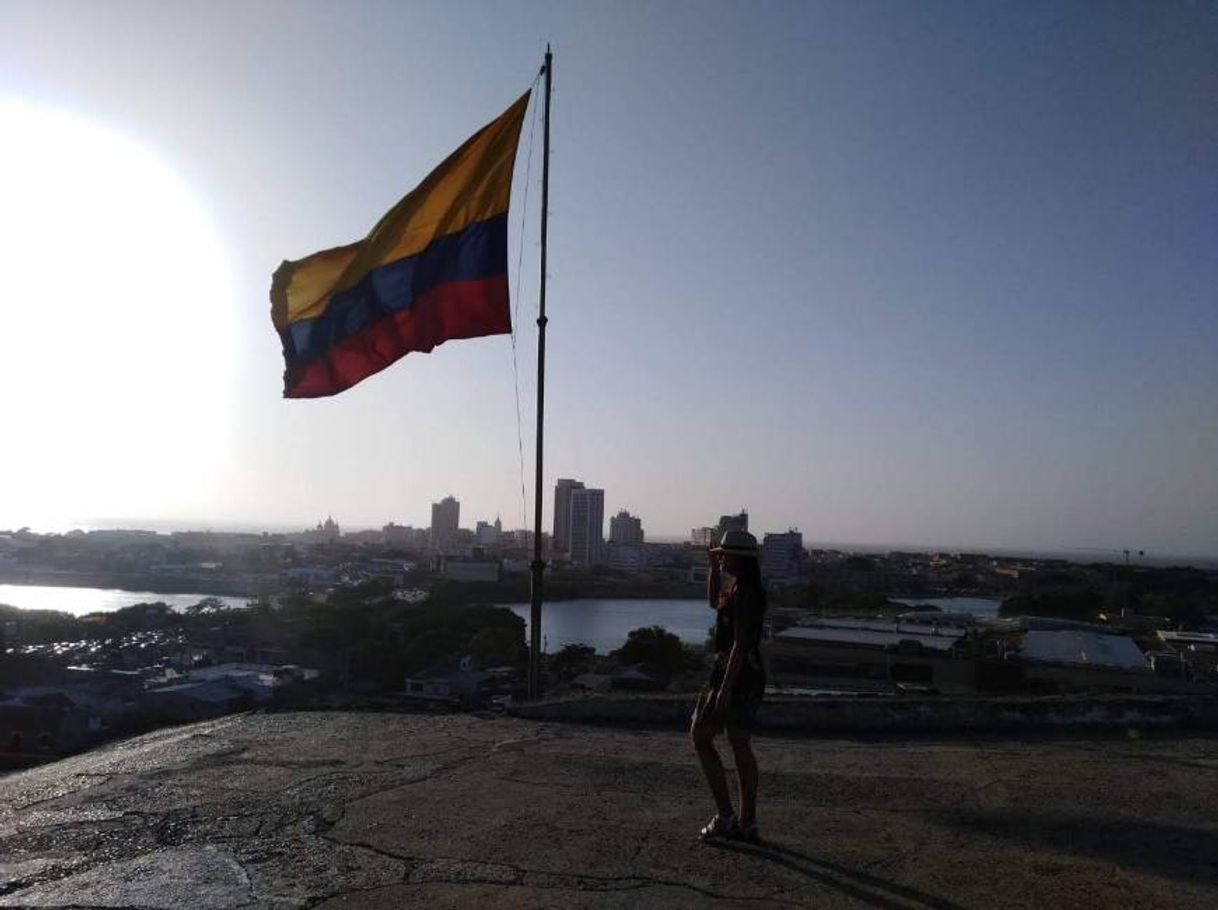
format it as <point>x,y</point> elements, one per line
<point>978,606</point>
<point>79,601</point>
<point>604,624</point>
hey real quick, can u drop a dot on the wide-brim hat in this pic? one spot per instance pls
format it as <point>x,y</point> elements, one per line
<point>737,543</point>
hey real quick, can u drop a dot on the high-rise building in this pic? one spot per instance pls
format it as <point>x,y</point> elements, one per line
<point>626,529</point>
<point>587,526</point>
<point>561,538</point>
<point>445,519</point>
<point>781,555</point>
<point>732,523</point>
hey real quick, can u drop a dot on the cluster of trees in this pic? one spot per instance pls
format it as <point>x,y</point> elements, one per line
<point>1084,606</point>
<point>1087,606</point>
<point>383,642</point>
<point>371,635</point>
<point>38,626</point>
<point>363,632</point>
<point>654,646</point>
<point>657,647</point>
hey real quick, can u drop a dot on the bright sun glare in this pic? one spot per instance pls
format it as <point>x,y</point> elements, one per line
<point>116,351</point>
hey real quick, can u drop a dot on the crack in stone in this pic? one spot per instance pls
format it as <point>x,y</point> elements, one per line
<point>416,778</point>
<point>521,876</point>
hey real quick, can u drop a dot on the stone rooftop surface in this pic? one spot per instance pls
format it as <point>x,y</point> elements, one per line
<point>379,810</point>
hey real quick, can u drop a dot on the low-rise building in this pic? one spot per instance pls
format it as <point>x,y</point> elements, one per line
<point>625,557</point>
<point>453,683</point>
<point>192,701</point>
<point>486,534</point>
<point>309,576</point>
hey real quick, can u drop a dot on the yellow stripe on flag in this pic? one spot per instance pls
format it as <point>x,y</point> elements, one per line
<point>472,184</point>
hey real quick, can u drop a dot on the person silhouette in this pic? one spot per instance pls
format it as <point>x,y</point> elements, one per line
<point>730,699</point>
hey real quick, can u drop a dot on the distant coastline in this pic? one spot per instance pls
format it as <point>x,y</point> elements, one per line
<point>1079,555</point>
<point>127,581</point>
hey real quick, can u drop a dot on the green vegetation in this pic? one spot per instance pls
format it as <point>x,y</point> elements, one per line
<point>362,632</point>
<point>571,660</point>
<point>1183,611</point>
<point>39,626</point>
<point>1084,606</point>
<point>1090,606</point>
<point>657,647</point>
<point>382,640</point>
<point>144,617</point>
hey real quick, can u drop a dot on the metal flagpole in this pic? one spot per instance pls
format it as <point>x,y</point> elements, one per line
<point>538,566</point>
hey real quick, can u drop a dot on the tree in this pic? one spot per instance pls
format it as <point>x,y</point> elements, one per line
<point>207,605</point>
<point>141,617</point>
<point>497,646</point>
<point>654,645</point>
<point>40,626</point>
<point>1084,605</point>
<point>571,660</point>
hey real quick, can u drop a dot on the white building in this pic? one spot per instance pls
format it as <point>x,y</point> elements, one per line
<point>404,536</point>
<point>326,531</point>
<point>626,529</point>
<point>487,535</point>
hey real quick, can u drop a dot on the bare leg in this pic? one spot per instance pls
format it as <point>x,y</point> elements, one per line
<point>703,736</point>
<point>746,771</point>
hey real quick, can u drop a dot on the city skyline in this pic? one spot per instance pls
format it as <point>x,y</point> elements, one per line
<point>1077,551</point>
<point>889,275</point>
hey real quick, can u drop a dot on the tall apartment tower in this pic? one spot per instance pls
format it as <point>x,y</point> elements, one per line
<point>732,523</point>
<point>445,519</point>
<point>781,555</point>
<point>560,544</point>
<point>587,527</point>
<point>626,529</point>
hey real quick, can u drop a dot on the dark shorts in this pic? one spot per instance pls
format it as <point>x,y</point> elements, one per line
<point>746,697</point>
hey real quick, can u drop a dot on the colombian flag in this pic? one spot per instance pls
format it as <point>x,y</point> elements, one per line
<point>433,268</point>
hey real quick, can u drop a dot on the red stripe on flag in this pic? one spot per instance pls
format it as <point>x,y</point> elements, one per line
<point>457,309</point>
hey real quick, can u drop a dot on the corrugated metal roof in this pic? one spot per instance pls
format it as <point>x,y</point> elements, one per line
<point>1070,646</point>
<point>866,637</point>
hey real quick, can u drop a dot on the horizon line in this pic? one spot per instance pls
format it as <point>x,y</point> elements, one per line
<point>236,526</point>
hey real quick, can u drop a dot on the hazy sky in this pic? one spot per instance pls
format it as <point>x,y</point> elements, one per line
<point>929,273</point>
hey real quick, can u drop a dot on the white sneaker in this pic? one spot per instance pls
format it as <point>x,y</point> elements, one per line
<point>721,826</point>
